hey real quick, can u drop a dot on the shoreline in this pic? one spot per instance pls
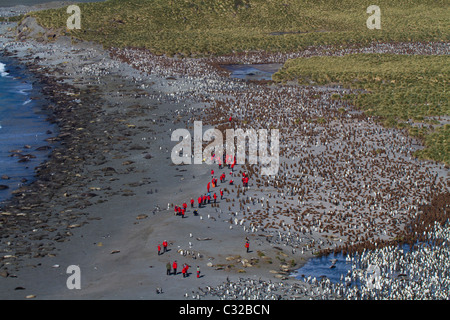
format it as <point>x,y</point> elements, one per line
<point>31,152</point>
<point>101,201</point>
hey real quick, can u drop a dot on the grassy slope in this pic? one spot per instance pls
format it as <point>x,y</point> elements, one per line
<point>223,26</point>
<point>401,89</point>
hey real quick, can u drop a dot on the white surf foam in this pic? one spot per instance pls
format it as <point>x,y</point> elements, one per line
<point>3,73</point>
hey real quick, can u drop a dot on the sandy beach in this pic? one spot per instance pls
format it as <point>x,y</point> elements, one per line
<point>105,198</point>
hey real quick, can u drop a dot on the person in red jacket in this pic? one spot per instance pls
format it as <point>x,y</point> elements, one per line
<point>164,246</point>
<point>247,245</point>
<point>192,203</point>
<point>221,194</point>
<point>183,212</point>
<point>200,201</point>
<point>245,181</point>
<point>184,206</point>
<point>159,249</point>
<point>174,266</point>
<point>215,197</point>
<point>208,186</point>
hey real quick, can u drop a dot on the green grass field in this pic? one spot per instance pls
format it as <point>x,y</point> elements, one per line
<point>201,27</point>
<point>403,90</point>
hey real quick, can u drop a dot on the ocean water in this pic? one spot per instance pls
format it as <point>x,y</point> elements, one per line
<point>335,266</point>
<point>23,127</point>
<point>330,266</point>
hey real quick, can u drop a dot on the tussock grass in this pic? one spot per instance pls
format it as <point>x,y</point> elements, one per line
<point>405,91</point>
<point>200,27</point>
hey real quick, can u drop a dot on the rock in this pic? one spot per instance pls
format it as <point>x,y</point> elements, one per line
<point>43,148</point>
<point>4,274</point>
<point>137,147</point>
<point>89,194</point>
<point>284,268</point>
<point>109,171</point>
<point>203,239</point>
<point>141,216</point>
<point>231,258</point>
<point>5,177</point>
<point>29,27</point>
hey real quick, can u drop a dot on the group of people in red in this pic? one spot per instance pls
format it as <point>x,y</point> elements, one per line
<point>184,270</point>
<point>164,244</point>
<point>205,199</point>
